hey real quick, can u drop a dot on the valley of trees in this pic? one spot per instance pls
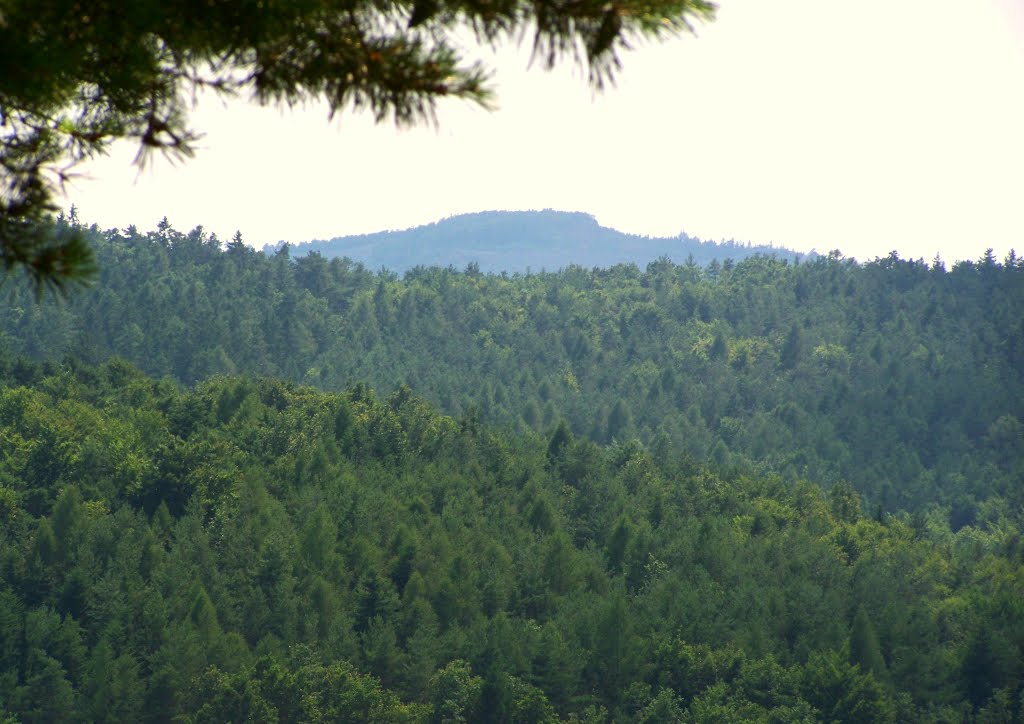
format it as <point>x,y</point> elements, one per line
<point>240,487</point>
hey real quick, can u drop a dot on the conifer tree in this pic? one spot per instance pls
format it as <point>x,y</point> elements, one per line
<point>67,518</point>
<point>78,76</point>
<point>204,617</point>
<point>44,547</point>
<point>864,647</point>
<point>322,597</point>
<point>791,347</point>
<point>561,439</point>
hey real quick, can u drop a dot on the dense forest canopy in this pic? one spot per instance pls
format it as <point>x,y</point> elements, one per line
<point>903,378</point>
<point>251,550</point>
<point>241,487</point>
<point>631,480</point>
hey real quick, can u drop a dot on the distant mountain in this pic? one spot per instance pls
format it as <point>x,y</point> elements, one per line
<point>517,241</point>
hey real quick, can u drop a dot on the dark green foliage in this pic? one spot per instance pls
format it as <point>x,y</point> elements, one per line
<point>620,422</point>
<point>990,663</point>
<point>865,651</point>
<point>78,78</point>
<point>251,548</point>
<point>907,385</point>
<point>53,254</point>
<point>792,347</point>
<point>561,440</point>
<point>845,693</point>
<point>473,575</point>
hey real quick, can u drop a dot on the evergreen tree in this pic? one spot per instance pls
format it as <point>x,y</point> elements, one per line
<point>558,443</point>
<point>864,648</point>
<point>619,421</point>
<point>203,616</point>
<point>791,347</point>
<point>64,103</point>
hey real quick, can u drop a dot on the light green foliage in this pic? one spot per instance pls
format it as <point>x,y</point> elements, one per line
<point>844,693</point>
<point>455,693</point>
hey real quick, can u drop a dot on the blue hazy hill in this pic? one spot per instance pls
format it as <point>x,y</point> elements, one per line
<point>517,241</point>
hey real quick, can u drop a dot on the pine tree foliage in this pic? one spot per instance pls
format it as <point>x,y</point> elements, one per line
<point>901,379</point>
<point>75,77</point>
<point>301,549</point>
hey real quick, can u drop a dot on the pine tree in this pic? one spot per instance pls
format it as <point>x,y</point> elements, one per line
<point>45,549</point>
<point>67,520</point>
<point>619,421</point>
<point>204,617</point>
<point>77,80</point>
<point>322,597</point>
<point>864,647</point>
<point>561,440</point>
<point>792,347</point>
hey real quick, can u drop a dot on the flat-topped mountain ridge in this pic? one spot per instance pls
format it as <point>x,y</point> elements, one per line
<point>520,241</point>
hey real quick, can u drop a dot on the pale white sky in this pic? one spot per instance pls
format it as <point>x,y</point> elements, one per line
<point>867,127</point>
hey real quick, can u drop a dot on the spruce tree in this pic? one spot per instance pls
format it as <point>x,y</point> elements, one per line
<point>204,617</point>
<point>864,647</point>
<point>791,348</point>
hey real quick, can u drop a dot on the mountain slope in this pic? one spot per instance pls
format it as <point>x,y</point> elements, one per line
<point>904,380</point>
<point>251,550</point>
<point>517,241</point>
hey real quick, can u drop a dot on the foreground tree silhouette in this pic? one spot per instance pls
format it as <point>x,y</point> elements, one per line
<point>74,76</point>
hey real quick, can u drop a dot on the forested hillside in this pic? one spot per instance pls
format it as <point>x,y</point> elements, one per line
<point>905,379</point>
<point>511,467</point>
<point>520,241</point>
<point>251,550</point>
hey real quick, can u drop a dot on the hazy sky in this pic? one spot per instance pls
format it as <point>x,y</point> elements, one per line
<point>867,127</point>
